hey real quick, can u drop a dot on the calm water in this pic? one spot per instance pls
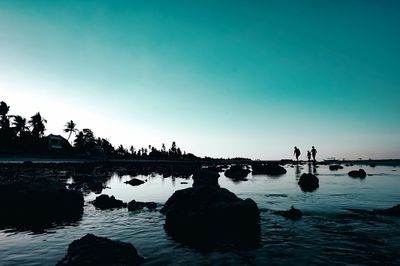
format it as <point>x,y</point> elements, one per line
<point>327,234</point>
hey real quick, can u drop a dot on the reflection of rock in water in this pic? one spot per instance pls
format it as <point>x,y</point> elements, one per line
<point>37,203</point>
<point>92,250</point>
<point>208,216</point>
<point>308,182</point>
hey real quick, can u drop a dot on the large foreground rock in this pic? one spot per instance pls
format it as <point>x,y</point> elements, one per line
<point>104,202</point>
<point>308,182</point>
<point>92,250</point>
<point>358,173</point>
<point>37,203</point>
<point>237,172</point>
<point>272,169</point>
<point>210,215</point>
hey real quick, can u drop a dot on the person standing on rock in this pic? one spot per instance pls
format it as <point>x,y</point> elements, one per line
<point>313,152</point>
<point>309,156</point>
<point>297,153</point>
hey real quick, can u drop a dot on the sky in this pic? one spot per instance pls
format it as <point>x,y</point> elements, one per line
<point>221,78</point>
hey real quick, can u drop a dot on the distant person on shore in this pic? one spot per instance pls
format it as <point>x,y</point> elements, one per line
<point>297,153</point>
<point>309,156</point>
<point>313,152</point>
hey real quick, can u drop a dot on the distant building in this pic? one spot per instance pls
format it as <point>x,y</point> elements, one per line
<point>56,142</point>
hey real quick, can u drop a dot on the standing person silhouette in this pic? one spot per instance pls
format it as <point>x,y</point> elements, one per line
<point>313,152</point>
<point>297,153</point>
<point>309,156</point>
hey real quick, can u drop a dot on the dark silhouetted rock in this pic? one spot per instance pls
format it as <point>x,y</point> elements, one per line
<point>271,169</point>
<point>393,211</point>
<point>308,182</point>
<point>237,172</point>
<point>210,215</point>
<point>106,202</point>
<point>134,182</point>
<point>292,213</point>
<point>372,165</point>
<point>358,173</point>
<point>335,167</point>
<point>92,250</point>
<point>38,202</point>
<point>205,177</point>
<point>138,205</point>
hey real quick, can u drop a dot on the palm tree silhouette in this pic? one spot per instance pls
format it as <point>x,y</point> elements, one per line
<point>19,124</point>
<point>71,128</point>
<point>4,121</point>
<point>37,124</point>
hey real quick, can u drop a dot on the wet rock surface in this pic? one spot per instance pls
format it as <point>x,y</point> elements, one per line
<point>104,202</point>
<point>308,182</point>
<point>272,169</point>
<point>208,216</point>
<point>138,205</point>
<point>358,173</point>
<point>134,182</point>
<point>292,213</point>
<point>92,250</point>
<point>237,172</point>
<point>36,203</point>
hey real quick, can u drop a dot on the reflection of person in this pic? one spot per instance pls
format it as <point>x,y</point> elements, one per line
<point>297,153</point>
<point>313,152</point>
<point>309,156</point>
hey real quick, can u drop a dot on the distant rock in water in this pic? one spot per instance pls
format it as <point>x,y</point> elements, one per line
<point>308,182</point>
<point>92,250</point>
<point>209,215</point>
<point>36,203</point>
<point>292,213</point>
<point>134,182</point>
<point>358,173</point>
<point>205,177</point>
<point>138,205</point>
<point>106,202</point>
<point>237,172</point>
<point>335,167</point>
<point>271,169</point>
<point>393,211</point>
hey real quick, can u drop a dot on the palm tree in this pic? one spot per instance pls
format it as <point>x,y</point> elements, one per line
<point>37,124</point>
<point>19,124</point>
<point>71,128</point>
<point>4,121</point>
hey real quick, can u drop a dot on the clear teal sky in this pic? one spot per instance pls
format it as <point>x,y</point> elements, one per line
<point>222,78</point>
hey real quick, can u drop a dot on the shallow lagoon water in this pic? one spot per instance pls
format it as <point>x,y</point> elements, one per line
<point>327,234</point>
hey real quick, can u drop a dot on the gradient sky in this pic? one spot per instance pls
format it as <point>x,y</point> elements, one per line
<point>222,78</point>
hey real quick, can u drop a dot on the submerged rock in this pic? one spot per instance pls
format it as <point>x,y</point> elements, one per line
<point>237,172</point>
<point>358,173</point>
<point>205,177</point>
<point>292,213</point>
<point>272,169</point>
<point>308,182</point>
<point>134,182</point>
<point>138,205</point>
<point>106,202</point>
<point>92,250</point>
<point>393,211</point>
<point>36,203</point>
<point>335,167</point>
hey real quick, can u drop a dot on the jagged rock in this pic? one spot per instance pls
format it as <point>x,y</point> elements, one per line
<point>335,167</point>
<point>134,182</point>
<point>205,177</point>
<point>272,169</point>
<point>106,202</point>
<point>92,250</point>
<point>292,213</point>
<point>358,173</point>
<point>308,182</point>
<point>36,203</point>
<point>138,205</point>
<point>237,172</point>
<point>208,215</point>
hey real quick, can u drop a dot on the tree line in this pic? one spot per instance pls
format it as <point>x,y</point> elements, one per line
<point>21,136</point>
